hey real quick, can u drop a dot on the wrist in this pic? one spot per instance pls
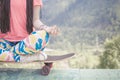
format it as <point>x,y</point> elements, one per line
<point>43,27</point>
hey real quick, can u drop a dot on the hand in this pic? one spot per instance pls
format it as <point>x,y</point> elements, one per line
<point>54,30</point>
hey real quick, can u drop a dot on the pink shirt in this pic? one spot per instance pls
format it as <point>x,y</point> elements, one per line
<point>18,20</point>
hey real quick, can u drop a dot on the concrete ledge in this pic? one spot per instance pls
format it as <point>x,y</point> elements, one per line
<point>60,74</point>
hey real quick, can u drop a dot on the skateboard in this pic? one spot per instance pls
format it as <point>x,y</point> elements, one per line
<point>56,58</point>
<point>50,58</point>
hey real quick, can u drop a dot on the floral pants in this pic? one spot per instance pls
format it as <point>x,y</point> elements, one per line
<point>35,42</point>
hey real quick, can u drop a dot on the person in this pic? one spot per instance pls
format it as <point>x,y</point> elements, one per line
<point>23,36</point>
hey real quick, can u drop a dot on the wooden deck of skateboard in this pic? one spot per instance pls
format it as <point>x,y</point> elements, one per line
<point>58,57</point>
<point>49,58</point>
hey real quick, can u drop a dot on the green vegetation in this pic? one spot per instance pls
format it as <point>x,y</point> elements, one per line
<point>111,56</point>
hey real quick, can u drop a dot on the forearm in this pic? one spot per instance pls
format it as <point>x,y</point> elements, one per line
<point>38,25</point>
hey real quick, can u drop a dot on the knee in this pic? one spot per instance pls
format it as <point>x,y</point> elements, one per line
<point>41,34</point>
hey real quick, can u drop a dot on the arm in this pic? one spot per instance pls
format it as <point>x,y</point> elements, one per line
<point>38,25</point>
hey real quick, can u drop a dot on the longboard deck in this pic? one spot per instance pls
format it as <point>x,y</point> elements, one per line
<point>49,58</point>
<point>57,57</point>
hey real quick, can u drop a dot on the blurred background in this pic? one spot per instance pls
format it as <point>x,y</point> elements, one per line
<point>90,28</point>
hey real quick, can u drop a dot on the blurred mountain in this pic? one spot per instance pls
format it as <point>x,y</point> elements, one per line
<point>82,13</point>
<point>82,22</point>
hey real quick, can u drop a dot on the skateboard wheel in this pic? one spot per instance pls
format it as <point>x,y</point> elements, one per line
<point>45,70</point>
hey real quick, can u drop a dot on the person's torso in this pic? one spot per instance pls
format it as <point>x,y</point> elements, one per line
<point>17,21</point>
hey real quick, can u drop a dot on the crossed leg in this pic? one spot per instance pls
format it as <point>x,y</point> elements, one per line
<point>34,43</point>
